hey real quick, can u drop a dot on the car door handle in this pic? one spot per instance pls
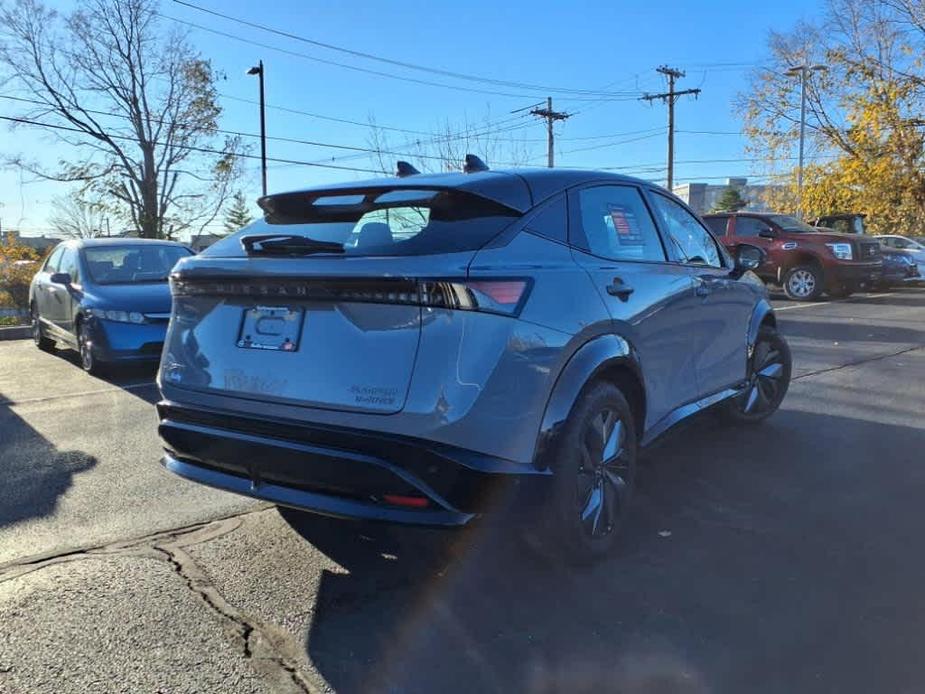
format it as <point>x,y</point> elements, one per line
<point>619,289</point>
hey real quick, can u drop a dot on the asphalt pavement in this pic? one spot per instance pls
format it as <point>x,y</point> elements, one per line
<point>777,558</point>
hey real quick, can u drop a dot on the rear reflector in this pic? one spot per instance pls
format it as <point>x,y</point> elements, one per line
<point>408,501</point>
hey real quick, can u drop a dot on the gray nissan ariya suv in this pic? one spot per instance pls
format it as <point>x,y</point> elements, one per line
<point>429,348</point>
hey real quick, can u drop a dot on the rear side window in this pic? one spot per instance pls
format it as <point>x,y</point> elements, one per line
<point>551,221</point>
<point>388,222</point>
<point>616,224</point>
<point>717,225</point>
<point>749,226</point>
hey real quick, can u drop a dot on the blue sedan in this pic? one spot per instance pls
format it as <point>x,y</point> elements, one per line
<point>107,298</point>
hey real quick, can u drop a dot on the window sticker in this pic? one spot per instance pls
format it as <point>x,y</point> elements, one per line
<point>623,221</point>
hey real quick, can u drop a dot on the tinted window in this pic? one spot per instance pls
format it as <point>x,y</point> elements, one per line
<point>717,225</point>
<point>51,265</point>
<point>68,264</point>
<point>616,224</point>
<point>551,221</point>
<point>690,238</point>
<point>749,226</point>
<point>132,263</point>
<point>788,223</point>
<point>388,222</point>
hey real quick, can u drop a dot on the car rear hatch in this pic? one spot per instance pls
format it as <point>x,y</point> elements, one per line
<point>321,304</point>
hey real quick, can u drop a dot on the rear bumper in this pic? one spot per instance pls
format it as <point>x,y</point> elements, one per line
<point>342,472</point>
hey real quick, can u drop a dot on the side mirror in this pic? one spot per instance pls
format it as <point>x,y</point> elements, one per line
<point>767,233</point>
<point>60,278</point>
<point>749,257</point>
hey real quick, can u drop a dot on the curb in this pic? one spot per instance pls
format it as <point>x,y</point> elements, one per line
<point>18,332</point>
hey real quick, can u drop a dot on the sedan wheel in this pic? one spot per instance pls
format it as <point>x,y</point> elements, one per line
<point>88,360</point>
<point>38,333</point>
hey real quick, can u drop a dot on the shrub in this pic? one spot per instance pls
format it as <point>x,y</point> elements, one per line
<point>15,276</point>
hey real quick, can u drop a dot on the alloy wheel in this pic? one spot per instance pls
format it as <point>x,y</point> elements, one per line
<point>602,483</point>
<point>36,328</point>
<point>86,350</point>
<point>765,385</point>
<point>801,283</point>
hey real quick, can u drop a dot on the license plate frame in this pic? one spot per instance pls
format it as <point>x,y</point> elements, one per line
<point>271,328</point>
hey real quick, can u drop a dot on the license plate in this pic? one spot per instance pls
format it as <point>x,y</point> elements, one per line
<point>271,327</point>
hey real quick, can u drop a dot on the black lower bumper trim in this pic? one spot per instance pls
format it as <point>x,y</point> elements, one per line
<point>349,465</point>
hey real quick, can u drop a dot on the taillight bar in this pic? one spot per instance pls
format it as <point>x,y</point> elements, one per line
<point>504,296</point>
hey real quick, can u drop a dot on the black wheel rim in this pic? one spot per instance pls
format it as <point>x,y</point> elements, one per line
<point>764,386</point>
<point>86,350</point>
<point>603,475</point>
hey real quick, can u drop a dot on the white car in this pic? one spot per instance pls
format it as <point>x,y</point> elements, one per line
<point>904,243</point>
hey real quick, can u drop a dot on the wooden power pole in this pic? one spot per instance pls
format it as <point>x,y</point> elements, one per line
<point>550,116</point>
<point>669,98</point>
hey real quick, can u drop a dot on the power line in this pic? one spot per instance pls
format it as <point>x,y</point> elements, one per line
<point>400,63</point>
<point>369,71</point>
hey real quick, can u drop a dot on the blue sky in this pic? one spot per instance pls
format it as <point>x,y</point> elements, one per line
<point>611,46</point>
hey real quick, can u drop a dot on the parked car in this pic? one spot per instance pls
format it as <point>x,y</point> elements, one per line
<point>107,298</point>
<point>805,261</point>
<point>432,348</point>
<point>904,243</point>
<point>899,267</point>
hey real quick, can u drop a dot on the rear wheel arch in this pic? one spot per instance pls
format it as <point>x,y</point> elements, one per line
<point>609,358</point>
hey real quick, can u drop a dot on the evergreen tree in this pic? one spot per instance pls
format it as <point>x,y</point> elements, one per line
<point>237,215</point>
<point>729,201</point>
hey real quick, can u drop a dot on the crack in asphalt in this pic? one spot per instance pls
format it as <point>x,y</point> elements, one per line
<point>859,362</point>
<point>268,649</point>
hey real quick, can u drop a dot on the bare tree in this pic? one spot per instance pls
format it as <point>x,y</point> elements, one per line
<point>134,102</point>
<point>446,149</point>
<point>75,217</point>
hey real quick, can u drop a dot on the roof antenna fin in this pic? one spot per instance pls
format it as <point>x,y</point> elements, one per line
<point>403,169</point>
<point>473,164</point>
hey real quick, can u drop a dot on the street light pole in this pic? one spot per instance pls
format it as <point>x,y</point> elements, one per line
<point>258,70</point>
<point>802,71</point>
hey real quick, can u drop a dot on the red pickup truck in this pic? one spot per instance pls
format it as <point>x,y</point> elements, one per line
<point>804,261</point>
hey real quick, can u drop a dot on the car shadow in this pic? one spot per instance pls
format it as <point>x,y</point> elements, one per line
<point>33,473</point>
<point>137,376</point>
<point>849,332</point>
<point>757,559</point>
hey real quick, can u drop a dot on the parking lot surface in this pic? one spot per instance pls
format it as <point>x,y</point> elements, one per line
<point>778,558</point>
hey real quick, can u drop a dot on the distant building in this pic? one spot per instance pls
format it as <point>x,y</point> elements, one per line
<point>701,197</point>
<point>40,244</point>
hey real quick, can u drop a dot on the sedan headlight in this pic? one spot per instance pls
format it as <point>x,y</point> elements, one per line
<point>118,316</point>
<point>842,251</point>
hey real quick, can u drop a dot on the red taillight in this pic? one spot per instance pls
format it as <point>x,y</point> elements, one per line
<point>502,292</point>
<point>408,501</point>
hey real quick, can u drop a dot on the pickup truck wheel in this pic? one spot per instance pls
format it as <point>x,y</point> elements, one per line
<point>803,283</point>
<point>768,379</point>
<point>593,476</point>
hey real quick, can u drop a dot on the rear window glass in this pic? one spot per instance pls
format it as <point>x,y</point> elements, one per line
<point>132,263</point>
<point>392,222</point>
<point>717,225</point>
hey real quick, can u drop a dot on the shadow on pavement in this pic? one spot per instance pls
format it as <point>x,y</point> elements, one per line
<point>847,333</point>
<point>33,473</point>
<point>778,558</point>
<point>129,374</point>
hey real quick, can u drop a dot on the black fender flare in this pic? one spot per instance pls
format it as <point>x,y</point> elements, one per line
<point>760,314</point>
<point>593,357</point>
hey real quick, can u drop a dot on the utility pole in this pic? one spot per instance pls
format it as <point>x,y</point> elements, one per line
<point>803,71</point>
<point>669,98</point>
<point>550,116</point>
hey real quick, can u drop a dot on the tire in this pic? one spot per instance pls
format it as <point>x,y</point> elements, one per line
<point>803,283</point>
<point>768,380</point>
<point>593,476</point>
<point>46,344</point>
<point>89,362</point>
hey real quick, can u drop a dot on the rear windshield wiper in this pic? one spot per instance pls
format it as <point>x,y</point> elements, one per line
<point>288,244</point>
